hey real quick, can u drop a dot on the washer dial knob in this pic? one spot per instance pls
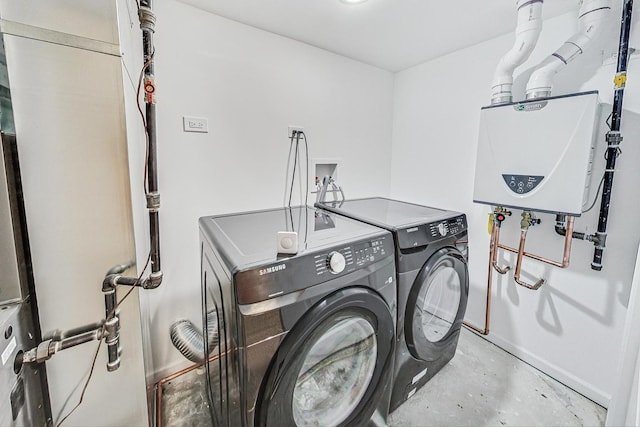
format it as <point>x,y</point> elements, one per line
<point>443,229</point>
<point>336,262</point>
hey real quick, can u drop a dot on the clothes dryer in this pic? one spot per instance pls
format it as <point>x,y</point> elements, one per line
<point>433,283</point>
<point>305,339</point>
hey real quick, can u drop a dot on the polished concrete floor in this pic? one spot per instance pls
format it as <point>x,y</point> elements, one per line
<point>482,386</point>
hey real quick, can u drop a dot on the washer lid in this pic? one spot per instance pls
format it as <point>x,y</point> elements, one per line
<point>388,213</point>
<point>249,239</point>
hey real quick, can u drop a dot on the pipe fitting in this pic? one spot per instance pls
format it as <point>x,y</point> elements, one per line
<point>112,340</point>
<point>153,281</point>
<point>153,201</point>
<point>109,283</point>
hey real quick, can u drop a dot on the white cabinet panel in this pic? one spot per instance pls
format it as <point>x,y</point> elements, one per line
<point>94,19</point>
<point>68,108</point>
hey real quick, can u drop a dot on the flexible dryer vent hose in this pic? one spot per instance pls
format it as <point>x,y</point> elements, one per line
<point>189,341</point>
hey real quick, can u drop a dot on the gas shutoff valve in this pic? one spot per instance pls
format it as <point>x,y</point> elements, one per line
<point>500,214</point>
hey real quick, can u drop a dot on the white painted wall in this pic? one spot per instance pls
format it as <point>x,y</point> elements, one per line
<point>251,85</point>
<point>572,327</point>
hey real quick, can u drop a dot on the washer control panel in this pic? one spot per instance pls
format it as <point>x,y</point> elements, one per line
<point>349,257</point>
<point>293,273</point>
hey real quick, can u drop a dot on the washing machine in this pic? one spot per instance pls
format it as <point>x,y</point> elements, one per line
<point>433,284</point>
<point>302,340</point>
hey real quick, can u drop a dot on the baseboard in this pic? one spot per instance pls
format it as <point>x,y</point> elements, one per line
<point>557,373</point>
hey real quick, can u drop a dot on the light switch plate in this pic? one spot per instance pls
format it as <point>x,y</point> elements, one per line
<point>195,124</point>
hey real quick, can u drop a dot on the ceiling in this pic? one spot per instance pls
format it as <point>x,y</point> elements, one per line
<point>390,34</point>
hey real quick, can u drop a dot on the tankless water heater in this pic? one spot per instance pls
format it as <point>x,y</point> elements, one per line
<point>536,155</point>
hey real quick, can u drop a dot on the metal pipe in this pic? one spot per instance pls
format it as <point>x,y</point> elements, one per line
<point>562,231</point>
<point>614,136</point>
<point>147,25</point>
<point>78,331</point>
<point>516,276</point>
<point>120,268</point>
<point>83,338</point>
<point>494,255</point>
<point>487,313</point>
<point>43,351</point>
<point>566,255</point>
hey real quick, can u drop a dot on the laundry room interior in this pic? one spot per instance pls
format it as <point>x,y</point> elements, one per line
<point>336,213</point>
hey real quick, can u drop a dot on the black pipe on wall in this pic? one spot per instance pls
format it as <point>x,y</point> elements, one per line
<point>614,136</point>
<point>147,24</point>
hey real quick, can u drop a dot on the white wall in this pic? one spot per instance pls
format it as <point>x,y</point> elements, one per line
<point>571,328</point>
<point>251,85</point>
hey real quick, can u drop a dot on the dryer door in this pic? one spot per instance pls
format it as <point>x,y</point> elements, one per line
<point>333,365</point>
<point>436,304</point>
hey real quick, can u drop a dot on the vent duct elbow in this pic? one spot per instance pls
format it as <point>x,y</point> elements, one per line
<point>189,341</point>
<point>591,16</point>
<point>528,31</point>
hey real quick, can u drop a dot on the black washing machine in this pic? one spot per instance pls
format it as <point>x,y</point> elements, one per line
<point>433,284</point>
<point>305,339</point>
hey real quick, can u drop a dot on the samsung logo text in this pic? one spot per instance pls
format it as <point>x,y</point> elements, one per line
<point>273,269</point>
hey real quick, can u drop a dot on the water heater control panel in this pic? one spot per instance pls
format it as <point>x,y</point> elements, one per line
<point>522,184</point>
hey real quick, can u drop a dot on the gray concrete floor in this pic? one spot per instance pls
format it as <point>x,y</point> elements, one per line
<point>482,386</point>
<point>486,386</point>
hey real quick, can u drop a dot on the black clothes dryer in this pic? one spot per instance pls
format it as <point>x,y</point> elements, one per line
<point>305,339</point>
<point>433,284</point>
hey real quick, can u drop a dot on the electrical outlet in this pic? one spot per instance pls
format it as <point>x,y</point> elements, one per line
<point>195,124</point>
<point>294,128</point>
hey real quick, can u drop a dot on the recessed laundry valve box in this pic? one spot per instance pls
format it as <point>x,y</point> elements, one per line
<point>536,155</point>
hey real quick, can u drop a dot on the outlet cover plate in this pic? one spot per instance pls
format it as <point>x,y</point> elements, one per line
<point>195,124</point>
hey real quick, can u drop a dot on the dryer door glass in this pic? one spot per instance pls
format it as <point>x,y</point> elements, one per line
<point>436,303</point>
<point>336,372</point>
<point>440,303</point>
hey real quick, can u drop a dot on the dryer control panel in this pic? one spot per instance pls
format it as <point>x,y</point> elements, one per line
<point>303,271</point>
<point>424,234</point>
<point>446,228</point>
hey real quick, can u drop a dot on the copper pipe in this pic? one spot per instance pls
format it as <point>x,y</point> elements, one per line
<point>516,276</point>
<point>487,315</point>
<point>494,256</point>
<point>565,256</point>
<point>173,376</point>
